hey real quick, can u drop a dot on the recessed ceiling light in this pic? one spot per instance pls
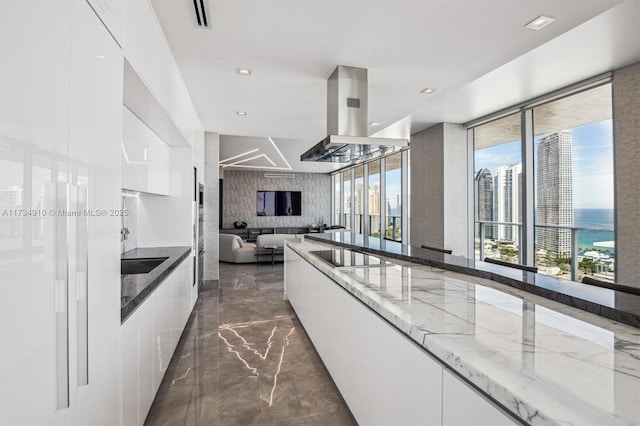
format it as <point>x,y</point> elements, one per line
<point>374,124</point>
<point>428,91</point>
<point>100,56</point>
<point>241,113</point>
<point>244,71</point>
<point>539,23</point>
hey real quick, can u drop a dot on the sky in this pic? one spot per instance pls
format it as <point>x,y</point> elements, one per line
<point>592,163</point>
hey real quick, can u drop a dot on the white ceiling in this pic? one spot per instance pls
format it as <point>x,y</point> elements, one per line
<point>477,54</point>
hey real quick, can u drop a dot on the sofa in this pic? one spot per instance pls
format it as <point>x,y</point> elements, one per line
<point>234,250</point>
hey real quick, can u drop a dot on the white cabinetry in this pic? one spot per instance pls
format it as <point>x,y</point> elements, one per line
<point>463,406</point>
<point>146,159</point>
<point>149,338</point>
<point>111,12</point>
<point>383,376</point>
<point>60,295</point>
<point>137,365</point>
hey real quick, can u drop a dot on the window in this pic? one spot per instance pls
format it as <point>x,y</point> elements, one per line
<point>573,152</point>
<point>374,198</point>
<point>359,199</point>
<point>498,189</point>
<point>567,230</point>
<point>337,194</point>
<point>393,195</point>
<point>346,193</point>
<point>368,198</point>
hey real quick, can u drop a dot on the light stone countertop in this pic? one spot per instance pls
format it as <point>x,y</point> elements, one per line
<point>548,363</point>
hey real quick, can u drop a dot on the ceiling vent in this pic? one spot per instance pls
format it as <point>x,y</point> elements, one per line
<point>202,17</point>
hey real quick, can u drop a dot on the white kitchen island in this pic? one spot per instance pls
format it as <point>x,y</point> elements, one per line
<point>413,344</point>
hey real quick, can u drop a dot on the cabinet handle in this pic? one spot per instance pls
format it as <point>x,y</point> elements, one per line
<point>61,292</point>
<point>82,286</point>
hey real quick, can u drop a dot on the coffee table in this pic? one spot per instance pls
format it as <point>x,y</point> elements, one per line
<point>268,250</point>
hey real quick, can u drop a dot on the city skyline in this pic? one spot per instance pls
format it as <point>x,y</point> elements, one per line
<point>592,163</point>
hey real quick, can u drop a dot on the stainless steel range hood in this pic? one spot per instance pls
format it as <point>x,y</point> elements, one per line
<point>347,122</point>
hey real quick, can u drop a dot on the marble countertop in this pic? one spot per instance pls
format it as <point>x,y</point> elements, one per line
<point>137,287</point>
<point>618,306</point>
<point>546,362</point>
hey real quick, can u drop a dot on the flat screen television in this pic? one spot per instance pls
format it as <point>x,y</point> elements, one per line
<point>279,203</point>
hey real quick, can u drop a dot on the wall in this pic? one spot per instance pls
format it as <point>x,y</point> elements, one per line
<point>211,201</point>
<point>626,131</point>
<point>239,192</point>
<point>439,188</point>
<point>165,221</point>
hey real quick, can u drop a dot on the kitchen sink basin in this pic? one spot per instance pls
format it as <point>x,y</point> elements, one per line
<point>140,266</point>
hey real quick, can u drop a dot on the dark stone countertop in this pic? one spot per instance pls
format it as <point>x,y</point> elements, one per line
<point>616,305</point>
<point>137,287</point>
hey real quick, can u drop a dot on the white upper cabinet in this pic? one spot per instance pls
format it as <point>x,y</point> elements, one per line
<point>146,159</point>
<point>111,12</point>
<point>147,50</point>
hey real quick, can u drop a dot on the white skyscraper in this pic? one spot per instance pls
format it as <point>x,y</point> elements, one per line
<point>554,195</point>
<point>508,193</point>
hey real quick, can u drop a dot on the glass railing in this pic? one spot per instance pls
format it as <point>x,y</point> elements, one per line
<point>572,252</point>
<point>374,225</point>
<point>565,252</point>
<point>393,228</point>
<point>358,223</point>
<point>347,220</point>
<point>498,240</point>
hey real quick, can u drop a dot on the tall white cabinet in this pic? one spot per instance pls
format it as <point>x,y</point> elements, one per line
<point>60,132</point>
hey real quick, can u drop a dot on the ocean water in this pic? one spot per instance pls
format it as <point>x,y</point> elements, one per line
<point>593,218</point>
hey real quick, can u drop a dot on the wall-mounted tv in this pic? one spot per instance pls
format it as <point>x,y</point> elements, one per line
<point>279,203</point>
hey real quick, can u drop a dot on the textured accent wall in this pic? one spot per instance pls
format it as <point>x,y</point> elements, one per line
<point>439,188</point>
<point>626,131</point>
<point>211,241</point>
<point>239,194</point>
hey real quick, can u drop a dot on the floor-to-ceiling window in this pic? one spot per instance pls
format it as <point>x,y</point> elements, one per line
<point>337,196</point>
<point>374,198</point>
<point>358,193</point>
<point>393,197</point>
<point>551,205</point>
<point>370,198</point>
<point>498,189</point>
<point>573,151</point>
<point>346,200</point>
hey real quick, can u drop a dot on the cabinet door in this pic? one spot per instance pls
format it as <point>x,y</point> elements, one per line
<point>137,365</point>
<point>162,347</point>
<point>111,12</point>
<point>34,79</point>
<point>135,148</point>
<point>463,406</point>
<point>94,263</point>
<point>159,165</point>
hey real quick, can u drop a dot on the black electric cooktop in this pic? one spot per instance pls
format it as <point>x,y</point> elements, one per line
<point>348,259</point>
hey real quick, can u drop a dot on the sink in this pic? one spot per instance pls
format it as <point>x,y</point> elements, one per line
<point>140,266</point>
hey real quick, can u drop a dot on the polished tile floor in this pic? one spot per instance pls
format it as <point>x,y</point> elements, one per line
<point>244,359</point>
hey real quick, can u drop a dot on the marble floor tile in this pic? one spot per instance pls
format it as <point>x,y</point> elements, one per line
<point>245,359</point>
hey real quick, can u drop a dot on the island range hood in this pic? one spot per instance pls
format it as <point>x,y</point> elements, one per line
<point>347,122</point>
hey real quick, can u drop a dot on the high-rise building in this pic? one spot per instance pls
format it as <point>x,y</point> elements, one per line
<point>485,200</point>
<point>508,205</point>
<point>554,194</point>
<point>374,198</point>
